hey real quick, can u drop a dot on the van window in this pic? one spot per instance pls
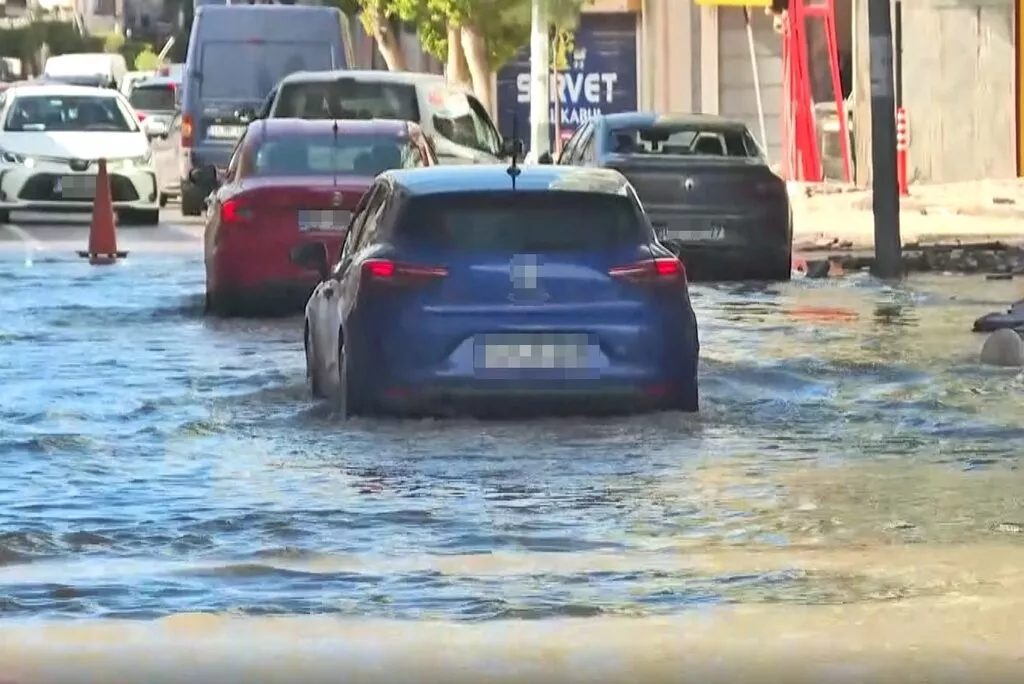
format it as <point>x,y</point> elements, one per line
<point>347,98</point>
<point>246,71</point>
<point>457,120</point>
<point>521,222</point>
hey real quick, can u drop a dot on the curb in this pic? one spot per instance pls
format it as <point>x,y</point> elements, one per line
<point>996,260</point>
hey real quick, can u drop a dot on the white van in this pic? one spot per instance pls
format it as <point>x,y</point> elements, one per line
<point>108,69</point>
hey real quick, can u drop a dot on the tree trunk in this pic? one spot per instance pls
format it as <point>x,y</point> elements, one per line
<point>387,42</point>
<point>477,60</point>
<point>457,70</point>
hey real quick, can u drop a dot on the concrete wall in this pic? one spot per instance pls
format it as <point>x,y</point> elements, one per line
<point>959,84</point>
<point>737,94</point>
<point>669,59</point>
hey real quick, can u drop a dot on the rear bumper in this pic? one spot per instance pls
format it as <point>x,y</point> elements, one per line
<point>754,262</point>
<point>495,399</point>
<point>270,298</point>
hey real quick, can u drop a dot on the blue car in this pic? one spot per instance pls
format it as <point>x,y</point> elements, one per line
<point>500,290</point>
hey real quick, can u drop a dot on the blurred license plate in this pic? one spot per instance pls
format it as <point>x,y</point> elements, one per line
<point>507,353</point>
<point>709,234</point>
<point>219,131</point>
<point>331,220</point>
<point>76,187</point>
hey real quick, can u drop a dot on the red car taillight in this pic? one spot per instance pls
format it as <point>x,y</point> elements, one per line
<point>390,272</point>
<point>186,131</point>
<point>660,271</point>
<point>233,211</point>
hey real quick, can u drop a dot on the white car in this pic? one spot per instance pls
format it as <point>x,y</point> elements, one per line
<point>51,137</point>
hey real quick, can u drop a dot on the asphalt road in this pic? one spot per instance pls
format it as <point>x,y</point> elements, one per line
<point>70,232</point>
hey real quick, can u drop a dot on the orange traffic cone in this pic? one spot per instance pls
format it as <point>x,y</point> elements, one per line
<point>102,231</point>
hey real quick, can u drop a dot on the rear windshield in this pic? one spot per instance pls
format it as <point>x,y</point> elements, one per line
<point>684,140</point>
<point>152,97</point>
<point>517,222</point>
<point>247,71</point>
<point>320,155</point>
<point>347,99</point>
<point>68,113</point>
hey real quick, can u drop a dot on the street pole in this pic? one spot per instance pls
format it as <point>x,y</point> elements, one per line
<point>885,193</point>
<point>540,75</point>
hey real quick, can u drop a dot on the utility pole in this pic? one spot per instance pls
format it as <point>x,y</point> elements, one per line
<point>885,193</point>
<point>540,80</point>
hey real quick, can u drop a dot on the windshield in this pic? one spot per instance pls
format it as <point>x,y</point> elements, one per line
<point>236,71</point>
<point>68,113</point>
<point>351,155</point>
<point>522,222</point>
<point>347,99</point>
<point>152,97</point>
<point>684,139</point>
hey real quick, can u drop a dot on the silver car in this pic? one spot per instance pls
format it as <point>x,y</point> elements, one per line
<point>156,101</point>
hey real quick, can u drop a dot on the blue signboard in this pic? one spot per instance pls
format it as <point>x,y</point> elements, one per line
<point>601,78</point>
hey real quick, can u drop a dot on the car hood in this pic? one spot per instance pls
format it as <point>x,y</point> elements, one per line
<point>75,145</point>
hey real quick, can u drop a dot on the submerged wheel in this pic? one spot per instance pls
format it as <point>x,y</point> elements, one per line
<point>312,370</point>
<point>350,399</point>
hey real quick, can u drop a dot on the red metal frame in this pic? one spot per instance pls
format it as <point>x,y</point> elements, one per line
<point>799,133</point>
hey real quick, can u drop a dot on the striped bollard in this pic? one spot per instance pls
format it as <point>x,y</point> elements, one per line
<point>902,146</point>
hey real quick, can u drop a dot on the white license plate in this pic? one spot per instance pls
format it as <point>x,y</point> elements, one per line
<point>323,220</point>
<point>232,132</point>
<point>76,187</point>
<point>713,234</point>
<point>534,356</point>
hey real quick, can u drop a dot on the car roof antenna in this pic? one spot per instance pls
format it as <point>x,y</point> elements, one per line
<point>334,162</point>
<point>513,169</point>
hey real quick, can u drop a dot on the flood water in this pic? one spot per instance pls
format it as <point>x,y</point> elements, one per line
<point>852,481</point>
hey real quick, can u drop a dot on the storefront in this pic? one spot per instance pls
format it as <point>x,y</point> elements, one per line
<point>600,78</point>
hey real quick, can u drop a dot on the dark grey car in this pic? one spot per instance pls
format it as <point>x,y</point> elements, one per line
<point>706,186</point>
<point>454,121</point>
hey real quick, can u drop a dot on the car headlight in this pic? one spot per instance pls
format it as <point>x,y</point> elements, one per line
<point>13,158</point>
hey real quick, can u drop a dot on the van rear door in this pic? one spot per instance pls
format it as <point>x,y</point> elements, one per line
<point>235,76</point>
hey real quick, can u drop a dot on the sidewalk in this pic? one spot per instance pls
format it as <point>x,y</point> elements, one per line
<point>838,217</point>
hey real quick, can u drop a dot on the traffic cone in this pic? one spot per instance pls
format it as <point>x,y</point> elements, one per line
<point>102,231</point>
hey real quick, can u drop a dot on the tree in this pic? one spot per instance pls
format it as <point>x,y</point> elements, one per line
<point>480,34</point>
<point>147,60</point>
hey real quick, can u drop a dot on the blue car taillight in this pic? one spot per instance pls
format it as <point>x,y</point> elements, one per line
<point>659,271</point>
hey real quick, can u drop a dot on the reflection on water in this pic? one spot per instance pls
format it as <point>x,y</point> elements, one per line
<point>851,454</point>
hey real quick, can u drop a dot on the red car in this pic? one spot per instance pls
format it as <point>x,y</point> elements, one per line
<point>290,181</point>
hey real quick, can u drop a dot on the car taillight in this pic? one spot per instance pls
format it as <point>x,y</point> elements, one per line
<point>387,271</point>
<point>186,131</point>
<point>663,270</point>
<point>142,117</point>
<point>233,211</point>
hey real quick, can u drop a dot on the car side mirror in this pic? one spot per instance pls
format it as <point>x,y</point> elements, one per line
<point>312,256</point>
<point>545,158</point>
<point>204,176</point>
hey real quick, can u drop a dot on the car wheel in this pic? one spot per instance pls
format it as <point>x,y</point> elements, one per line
<point>164,198</point>
<point>142,217</point>
<point>349,399</point>
<point>191,200</point>
<point>312,369</point>
<point>218,305</point>
<point>5,216</point>
<point>688,400</point>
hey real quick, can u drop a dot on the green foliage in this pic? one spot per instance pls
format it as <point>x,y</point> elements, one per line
<point>562,45</point>
<point>504,24</point>
<point>62,38</point>
<point>113,42</point>
<point>147,60</point>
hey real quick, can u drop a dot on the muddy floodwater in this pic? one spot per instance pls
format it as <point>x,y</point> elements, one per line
<point>850,493</point>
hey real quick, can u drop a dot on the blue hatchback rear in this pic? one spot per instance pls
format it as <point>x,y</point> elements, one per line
<point>462,293</point>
